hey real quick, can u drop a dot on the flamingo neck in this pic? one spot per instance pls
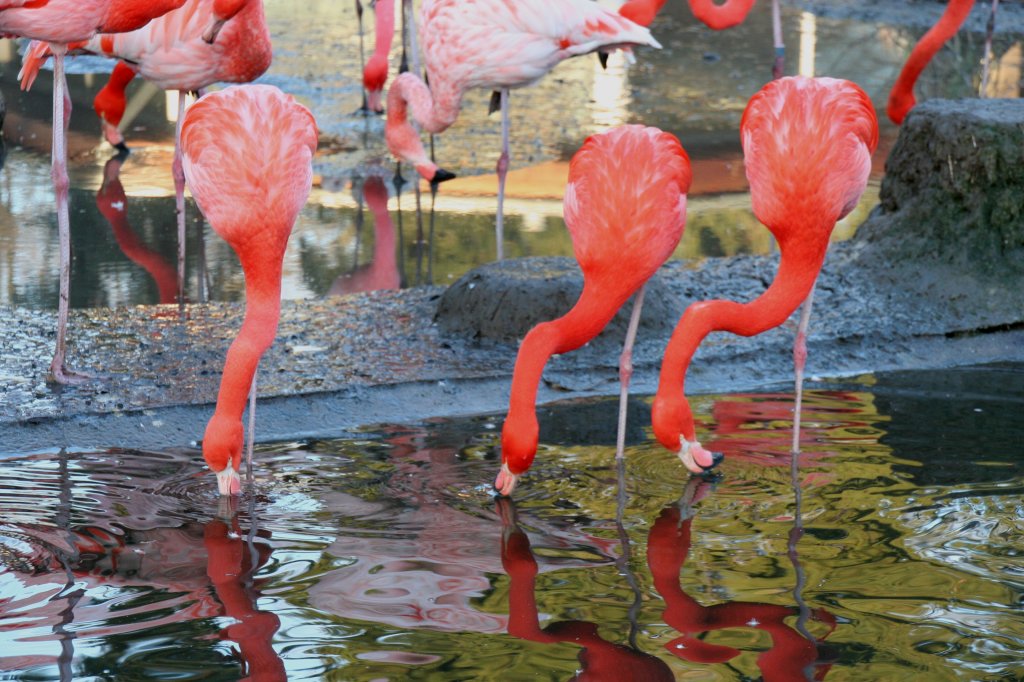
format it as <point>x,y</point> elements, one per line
<point>262,311</point>
<point>798,269</point>
<point>901,98</point>
<point>520,434</point>
<point>384,29</point>
<point>245,40</point>
<point>641,11</point>
<point>721,16</point>
<point>431,114</point>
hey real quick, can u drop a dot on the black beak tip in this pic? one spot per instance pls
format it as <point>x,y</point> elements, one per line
<point>441,175</point>
<point>603,58</point>
<point>710,472</point>
<point>122,150</point>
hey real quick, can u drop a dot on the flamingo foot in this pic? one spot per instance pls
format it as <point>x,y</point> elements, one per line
<point>506,481</point>
<point>228,481</point>
<point>62,375</point>
<point>695,458</point>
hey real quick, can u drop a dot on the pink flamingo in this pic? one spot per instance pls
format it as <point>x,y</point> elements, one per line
<point>497,45</point>
<point>625,207</point>
<point>246,154</point>
<point>375,73</point>
<point>175,52</point>
<point>60,22</point>
<point>901,98</point>
<point>807,148</point>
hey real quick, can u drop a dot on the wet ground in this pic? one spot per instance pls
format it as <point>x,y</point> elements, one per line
<point>892,554</point>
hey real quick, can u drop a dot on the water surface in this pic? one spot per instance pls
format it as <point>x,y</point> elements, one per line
<point>386,557</point>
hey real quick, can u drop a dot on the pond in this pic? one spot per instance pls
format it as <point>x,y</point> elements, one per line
<point>893,552</point>
<point>696,87</point>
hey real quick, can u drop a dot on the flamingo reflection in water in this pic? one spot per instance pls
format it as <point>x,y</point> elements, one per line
<point>436,558</point>
<point>599,658</point>
<point>112,202</point>
<point>791,655</point>
<point>381,273</point>
<point>99,582</point>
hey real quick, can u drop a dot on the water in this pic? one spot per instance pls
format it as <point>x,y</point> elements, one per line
<point>385,557</point>
<point>696,88</point>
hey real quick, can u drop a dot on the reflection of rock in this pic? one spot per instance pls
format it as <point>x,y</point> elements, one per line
<point>501,301</point>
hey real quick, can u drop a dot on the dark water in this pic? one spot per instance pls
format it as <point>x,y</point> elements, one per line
<point>386,558</point>
<point>696,87</point>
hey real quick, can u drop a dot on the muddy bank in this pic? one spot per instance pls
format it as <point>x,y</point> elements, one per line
<point>931,280</point>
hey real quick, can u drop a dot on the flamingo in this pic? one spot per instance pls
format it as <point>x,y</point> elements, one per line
<point>807,148</point>
<point>382,272</point>
<point>60,22</point>
<point>497,45</point>
<point>625,207</point>
<point>175,52</point>
<point>375,73</point>
<point>901,98</point>
<point>246,155</point>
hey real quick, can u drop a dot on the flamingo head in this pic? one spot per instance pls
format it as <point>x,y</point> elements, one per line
<point>900,104</point>
<point>519,440</point>
<point>673,427</point>
<point>222,450</point>
<point>223,11</point>
<point>374,76</point>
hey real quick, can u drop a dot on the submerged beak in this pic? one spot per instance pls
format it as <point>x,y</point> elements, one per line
<point>229,482</point>
<point>506,481</point>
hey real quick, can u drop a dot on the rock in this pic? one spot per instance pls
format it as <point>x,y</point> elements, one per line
<point>503,300</point>
<point>953,188</point>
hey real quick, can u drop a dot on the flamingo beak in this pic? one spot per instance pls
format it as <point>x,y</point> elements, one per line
<point>506,481</point>
<point>228,481</point>
<point>695,458</point>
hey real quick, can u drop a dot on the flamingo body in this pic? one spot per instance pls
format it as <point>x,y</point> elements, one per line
<point>492,44</point>
<point>901,98</point>
<point>246,155</point>
<point>807,146</point>
<point>68,21</point>
<point>625,207</point>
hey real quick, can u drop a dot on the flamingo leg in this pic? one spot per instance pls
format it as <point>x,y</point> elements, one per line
<point>502,170</point>
<point>407,15</point>
<point>778,66</point>
<point>251,436</point>
<point>990,28</point>
<point>59,172</point>
<point>799,360</point>
<point>179,201</point>
<point>365,108</point>
<point>626,370</point>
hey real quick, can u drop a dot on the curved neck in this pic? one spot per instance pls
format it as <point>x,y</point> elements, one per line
<point>721,16</point>
<point>641,11</point>
<point>110,101</point>
<point>587,318</point>
<point>901,98</point>
<point>262,311</point>
<point>793,282</point>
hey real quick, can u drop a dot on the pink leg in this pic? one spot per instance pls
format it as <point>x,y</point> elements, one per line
<point>990,28</point>
<point>365,108</point>
<point>251,436</point>
<point>179,201</point>
<point>502,169</point>
<point>799,360</point>
<point>59,172</point>
<point>778,67</point>
<point>626,370</point>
